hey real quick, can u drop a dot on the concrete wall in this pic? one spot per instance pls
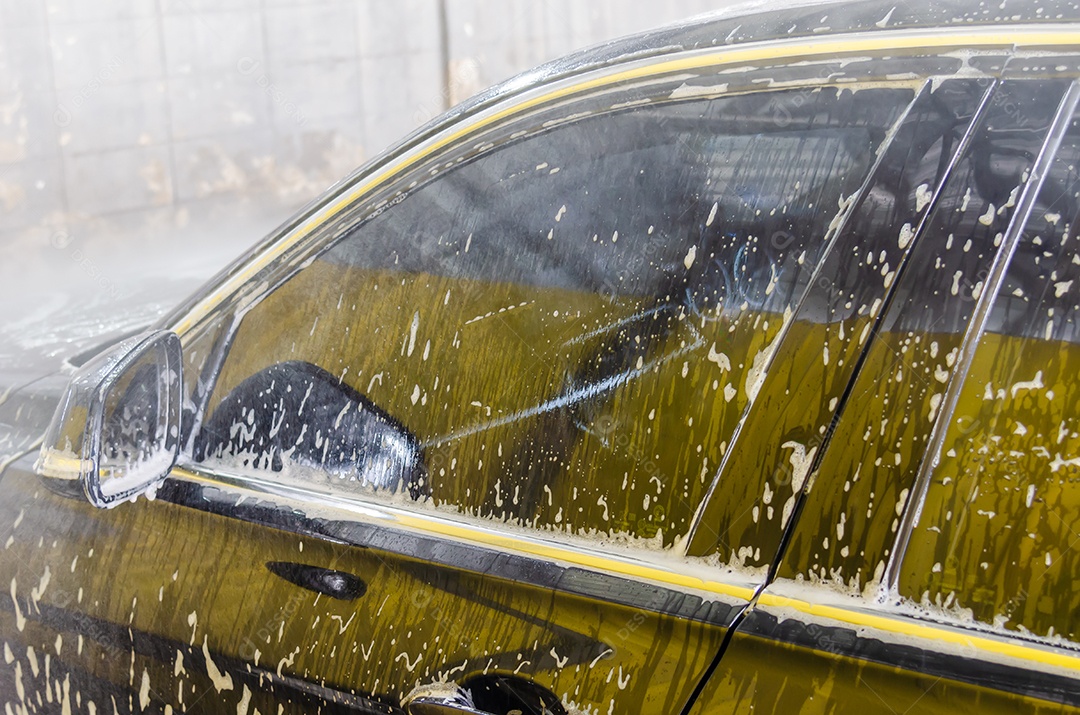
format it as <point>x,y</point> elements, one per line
<point>132,117</point>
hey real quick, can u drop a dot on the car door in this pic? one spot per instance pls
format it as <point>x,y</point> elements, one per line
<point>549,335</point>
<point>931,569</point>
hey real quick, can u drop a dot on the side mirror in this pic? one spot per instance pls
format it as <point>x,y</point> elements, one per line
<point>117,427</point>
<point>295,418</point>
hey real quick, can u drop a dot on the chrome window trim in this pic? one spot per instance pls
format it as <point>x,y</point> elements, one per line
<point>389,527</point>
<point>389,165</point>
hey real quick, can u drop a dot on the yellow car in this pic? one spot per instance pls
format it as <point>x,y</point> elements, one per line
<point>730,368</point>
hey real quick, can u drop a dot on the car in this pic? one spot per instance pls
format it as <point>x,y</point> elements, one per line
<point>726,368</point>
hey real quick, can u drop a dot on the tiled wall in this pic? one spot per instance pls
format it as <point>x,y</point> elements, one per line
<point>125,112</point>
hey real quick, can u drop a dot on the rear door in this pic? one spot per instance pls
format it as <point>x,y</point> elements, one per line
<point>931,569</point>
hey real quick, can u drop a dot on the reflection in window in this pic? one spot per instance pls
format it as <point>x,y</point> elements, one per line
<point>569,327</point>
<point>1000,527</point>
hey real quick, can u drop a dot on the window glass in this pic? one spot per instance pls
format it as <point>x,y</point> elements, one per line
<point>561,333</point>
<point>865,479</point>
<point>998,533</point>
<point>764,473</point>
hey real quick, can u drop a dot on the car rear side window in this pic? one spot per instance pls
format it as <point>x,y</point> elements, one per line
<point>871,463</point>
<point>566,328</point>
<point>997,534</point>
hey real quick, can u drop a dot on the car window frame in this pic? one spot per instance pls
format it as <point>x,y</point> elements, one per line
<point>295,252</point>
<point>361,212</point>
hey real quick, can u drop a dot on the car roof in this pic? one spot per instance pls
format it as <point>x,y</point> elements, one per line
<point>754,21</point>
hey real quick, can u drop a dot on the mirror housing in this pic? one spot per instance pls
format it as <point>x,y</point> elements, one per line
<point>440,699</point>
<point>117,427</point>
<point>301,423</point>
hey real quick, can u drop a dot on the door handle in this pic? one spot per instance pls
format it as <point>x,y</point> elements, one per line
<point>335,584</point>
<point>483,695</point>
<point>448,704</point>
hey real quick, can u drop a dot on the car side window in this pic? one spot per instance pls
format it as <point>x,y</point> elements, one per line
<point>997,532</point>
<point>561,332</point>
<point>869,469</point>
<point>763,479</point>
